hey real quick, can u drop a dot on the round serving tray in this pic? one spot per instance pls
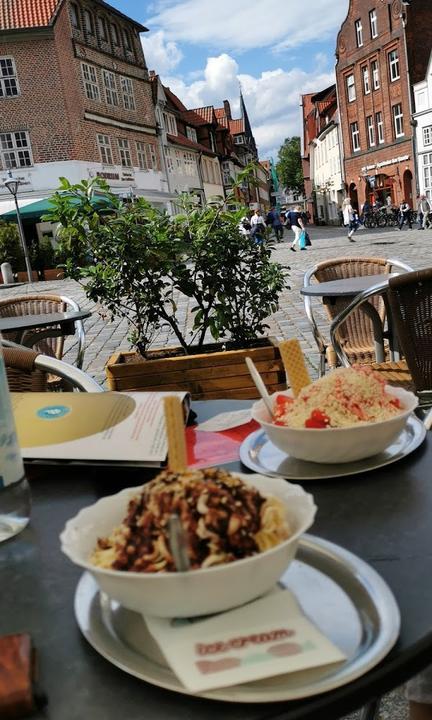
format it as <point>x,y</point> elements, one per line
<point>261,456</point>
<point>342,595</point>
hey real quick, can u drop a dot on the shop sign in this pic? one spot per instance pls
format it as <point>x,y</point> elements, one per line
<point>108,175</point>
<point>384,163</point>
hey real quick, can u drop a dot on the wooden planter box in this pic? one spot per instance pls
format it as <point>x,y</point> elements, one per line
<point>53,274</point>
<point>23,277</point>
<point>212,375</point>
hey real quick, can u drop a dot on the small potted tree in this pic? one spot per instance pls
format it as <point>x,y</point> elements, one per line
<point>141,264</point>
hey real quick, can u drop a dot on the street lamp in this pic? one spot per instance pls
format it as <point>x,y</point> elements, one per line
<point>12,184</point>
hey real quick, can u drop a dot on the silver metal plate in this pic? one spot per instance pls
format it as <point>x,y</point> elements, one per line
<point>260,455</point>
<point>342,595</point>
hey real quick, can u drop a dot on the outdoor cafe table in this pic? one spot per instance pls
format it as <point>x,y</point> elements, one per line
<point>383,516</point>
<point>355,287</point>
<point>45,325</point>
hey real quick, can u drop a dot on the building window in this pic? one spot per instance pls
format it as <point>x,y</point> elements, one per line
<point>190,163</point>
<point>351,88</point>
<point>373,23</point>
<point>8,78</point>
<point>124,150</point>
<point>366,83</point>
<point>370,130</point>
<point>15,150</point>
<point>110,87</point>
<point>169,160</point>
<point>394,65</point>
<point>103,30</point>
<point>127,93</point>
<point>427,135</point>
<point>88,23</point>
<point>115,35</point>
<point>191,133</point>
<point>104,145</point>
<point>375,75</point>
<point>427,174</point>
<point>226,174</point>
<point>74,15</point>
<point>379,127</point>
<point>170,123</point>
<point>127,40</point>
<point>355,137</point>
<point>147,156</point>
<point>91,85</point>
<point>398,120</point>
<point>359,33</point>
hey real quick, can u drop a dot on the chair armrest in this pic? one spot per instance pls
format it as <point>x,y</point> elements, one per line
<point>76,377</point>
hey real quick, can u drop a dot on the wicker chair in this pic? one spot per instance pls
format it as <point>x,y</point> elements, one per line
<point>356,334</point>
<point>28,371</point>
<point>40,305</point>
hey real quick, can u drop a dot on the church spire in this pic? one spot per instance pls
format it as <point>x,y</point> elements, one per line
<point>247,126</point>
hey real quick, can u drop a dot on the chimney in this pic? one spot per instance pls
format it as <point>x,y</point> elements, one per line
<point>227,108</point>
<point>152,73</point>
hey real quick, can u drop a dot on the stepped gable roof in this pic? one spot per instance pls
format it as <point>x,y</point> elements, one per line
<point>27,13</point>
<point>187,143</point>
<point>175,100</point>
<point>237,126</point>
<point>192,118</point>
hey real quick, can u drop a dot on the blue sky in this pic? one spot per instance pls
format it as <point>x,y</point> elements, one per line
<point>203,49</point>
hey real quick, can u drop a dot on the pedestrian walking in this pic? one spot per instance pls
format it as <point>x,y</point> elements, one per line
<point>405,215</point>
<point>273,220</point>
<point>258,226</point>
<point>349,217</point>
<point>294,217</point>
<point>245,226</point>
<point>423,210</point>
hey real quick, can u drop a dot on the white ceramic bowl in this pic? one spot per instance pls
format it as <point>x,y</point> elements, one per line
<point>336,445</point>
<point>198,592</point>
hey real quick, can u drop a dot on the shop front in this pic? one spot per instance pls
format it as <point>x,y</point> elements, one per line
<point>388,181</point>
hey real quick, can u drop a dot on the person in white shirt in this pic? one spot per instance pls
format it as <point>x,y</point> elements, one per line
<point>349,218</point>
<point>258,226</point>
<point>423,210</point>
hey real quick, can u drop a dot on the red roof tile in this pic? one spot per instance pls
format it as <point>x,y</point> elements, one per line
<point>26,13</point>
<point>192,118</point>
<point>186,142</point>
<point>207,113</point>
<point>220,113</point>
<point>174,99</point>
<point>236,126</point>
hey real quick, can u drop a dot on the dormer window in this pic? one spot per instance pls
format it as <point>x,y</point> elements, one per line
<point>191,134</point>
<point>88,23</point>
<point>238,139</point>
<point>170,123</point>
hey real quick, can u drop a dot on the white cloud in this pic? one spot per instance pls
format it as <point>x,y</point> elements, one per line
<point>244,25</point>
<point>161,55</point>
<point>272,99</point>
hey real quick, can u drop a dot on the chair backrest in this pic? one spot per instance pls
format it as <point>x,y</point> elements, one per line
<point>410,299</point>
<point>39,304</point>
<point>28,371</point>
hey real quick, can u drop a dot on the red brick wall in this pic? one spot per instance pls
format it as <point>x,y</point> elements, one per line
<point>351,59</point>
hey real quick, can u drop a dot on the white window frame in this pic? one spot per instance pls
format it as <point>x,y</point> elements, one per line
<point>15,150</point>
<point>355,137</point>
<point>124,152</point>
<point>427,174</point>
<point>169,159</point>
<point>351,88</point>
<point>8,77</point>
<point>370,125</point>
<point>127,91</point>
<point>359,32</point>
<point>366,80</point>
<point>147,157</point>
<point>427,135</point>
<point>373,23</point>
<point>398,124</point>
<point>375,75</point>
<point>191,133</point>
<point>190,164</point>
<point>170,123</point>
<point>110,85</point>
<point>380,127</point>
<point>90,80</point>
<point>105,149</point>
<point>394,68</point>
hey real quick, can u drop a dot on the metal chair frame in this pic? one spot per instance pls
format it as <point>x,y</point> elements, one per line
<point>323,345</point>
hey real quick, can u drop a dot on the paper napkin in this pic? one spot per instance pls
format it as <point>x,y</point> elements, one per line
<point>270,636</point>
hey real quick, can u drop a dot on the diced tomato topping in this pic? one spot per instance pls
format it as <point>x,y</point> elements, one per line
<point>317,420</point>
<point>282,401</point>
<point>396,402</point>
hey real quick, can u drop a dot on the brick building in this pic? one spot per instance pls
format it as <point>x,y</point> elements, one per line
<point>380,52</point>
<point>76,99</point>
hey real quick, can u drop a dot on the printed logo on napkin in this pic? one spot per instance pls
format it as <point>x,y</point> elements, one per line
<point>267,637</point>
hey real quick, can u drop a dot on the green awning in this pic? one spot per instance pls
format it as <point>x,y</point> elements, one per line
<point>34,211</point>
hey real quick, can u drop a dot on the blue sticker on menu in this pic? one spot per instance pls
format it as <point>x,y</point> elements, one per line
<point>53,412</point>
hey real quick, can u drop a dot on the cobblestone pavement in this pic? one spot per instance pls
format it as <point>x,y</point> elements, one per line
<point>103,338</point>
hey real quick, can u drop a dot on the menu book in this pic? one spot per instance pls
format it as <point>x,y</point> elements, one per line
<point>99,428</point>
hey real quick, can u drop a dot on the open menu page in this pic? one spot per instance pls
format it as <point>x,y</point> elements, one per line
<point>100,427</point>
